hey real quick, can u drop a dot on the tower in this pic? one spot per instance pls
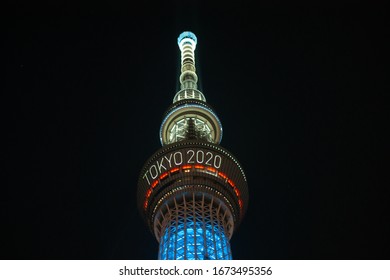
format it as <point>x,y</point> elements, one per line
<point>192,193</point>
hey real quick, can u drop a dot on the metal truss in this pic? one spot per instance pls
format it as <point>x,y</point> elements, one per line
<point>194,226</point>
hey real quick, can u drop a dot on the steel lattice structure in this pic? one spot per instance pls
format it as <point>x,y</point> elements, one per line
<point>192,192</point>
<point>194,225</point>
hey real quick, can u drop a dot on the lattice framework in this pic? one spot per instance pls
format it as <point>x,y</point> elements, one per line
<point>194,226</point>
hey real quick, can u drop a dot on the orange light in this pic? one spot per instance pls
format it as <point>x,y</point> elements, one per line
<point>145,204</point>
<point>162,176</point>
<point>154,184</point>
<point>211,169</point>
<point>240,203</point>
<point>173,170</point>
<point>186,166</point>
<point>237,192</point>
<point>222,175</point>
<point>231,183</point>
<point>198,166</point>
<point>148,193</point>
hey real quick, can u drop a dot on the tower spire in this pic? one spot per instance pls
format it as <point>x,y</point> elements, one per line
<point>189,117</point>
<point>187,43</point>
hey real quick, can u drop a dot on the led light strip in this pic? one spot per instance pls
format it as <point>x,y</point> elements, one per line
<point>188,168</point>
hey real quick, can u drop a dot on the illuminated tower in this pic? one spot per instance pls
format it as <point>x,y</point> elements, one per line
<point>192,192</point>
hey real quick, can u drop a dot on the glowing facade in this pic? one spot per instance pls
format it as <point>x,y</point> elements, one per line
<point>192,192</point>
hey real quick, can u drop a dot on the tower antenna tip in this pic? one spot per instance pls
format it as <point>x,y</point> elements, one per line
<point>185,35</point>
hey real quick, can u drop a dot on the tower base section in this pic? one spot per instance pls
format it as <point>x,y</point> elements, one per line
<point>194,226</point>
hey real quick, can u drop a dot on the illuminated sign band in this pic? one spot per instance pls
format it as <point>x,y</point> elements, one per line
<point>175,164</point>
<point>179,158</point>
<point>189,168</point>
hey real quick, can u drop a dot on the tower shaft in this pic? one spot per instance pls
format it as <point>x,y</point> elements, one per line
<point>192,192</point>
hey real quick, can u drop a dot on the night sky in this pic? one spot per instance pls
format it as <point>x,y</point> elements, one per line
<point>299,91</point>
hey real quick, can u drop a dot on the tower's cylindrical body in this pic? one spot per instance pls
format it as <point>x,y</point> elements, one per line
<point>192,192</point>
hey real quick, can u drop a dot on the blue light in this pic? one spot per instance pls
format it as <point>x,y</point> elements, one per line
<point>187,34</point>
<point>194,241</point>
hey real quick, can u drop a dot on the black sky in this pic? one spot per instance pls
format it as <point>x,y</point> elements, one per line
<point>299,90</point>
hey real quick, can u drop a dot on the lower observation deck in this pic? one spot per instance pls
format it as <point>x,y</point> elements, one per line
<point>187,168</point>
